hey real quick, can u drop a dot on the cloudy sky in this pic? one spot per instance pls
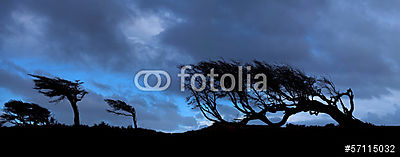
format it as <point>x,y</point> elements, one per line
<point>104,43</point>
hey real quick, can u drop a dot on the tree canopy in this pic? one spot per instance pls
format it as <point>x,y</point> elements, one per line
<point>289,90</point>
<point>119,107</point>
<point>60,89</point>
<point>20,113</point>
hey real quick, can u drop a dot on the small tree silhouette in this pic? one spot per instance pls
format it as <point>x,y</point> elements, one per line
<point>119,107</point>
<point>61,89</point>
<point>289,90</point>
<point>20,113</point>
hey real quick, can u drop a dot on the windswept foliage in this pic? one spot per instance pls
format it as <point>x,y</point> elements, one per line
<point>20,113</point>
<point>60,89</point>
<point>289,90</point>
<point>119,107</point>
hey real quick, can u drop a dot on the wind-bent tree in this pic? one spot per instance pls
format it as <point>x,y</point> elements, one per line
<point>119,107</point>
<point>20,113</point>
<point>61,89</point>
<point>288,90</point>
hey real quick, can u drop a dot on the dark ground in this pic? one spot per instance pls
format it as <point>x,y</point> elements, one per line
<point>221,139</point>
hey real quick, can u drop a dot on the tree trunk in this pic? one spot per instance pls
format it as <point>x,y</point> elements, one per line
<point>133,113</point>
<point>343,119</point>
<point>134,120</point>
<point>76,113</point>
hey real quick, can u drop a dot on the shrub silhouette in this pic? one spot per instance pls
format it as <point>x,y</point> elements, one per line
<point>288,90</point>
<point>119,107</point>
<point>20,113</point>
<point>61,89</point>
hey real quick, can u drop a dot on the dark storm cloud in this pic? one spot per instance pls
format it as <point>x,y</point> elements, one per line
<point>387,119</point>
<point>236,29</point>
<point>353,42</point>
<point>83,32</point>
<point>6,7</point>
<point>103,87</point>
<point>14,83</point>
<point>88,26</point>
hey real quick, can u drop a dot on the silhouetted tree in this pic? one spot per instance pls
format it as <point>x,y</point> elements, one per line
<point>119,107</point>
<point>20,113</point>
<point>61,89</point>
<point>289,90</point>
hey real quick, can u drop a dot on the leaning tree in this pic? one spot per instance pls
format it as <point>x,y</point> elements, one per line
<point>119,107</point>
<point>21,113</point>
<point>61,89</point>
<point>288,90</point>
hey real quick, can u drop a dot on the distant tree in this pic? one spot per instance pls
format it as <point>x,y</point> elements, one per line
<point>119,107</point>
<point>288,90</point>
<point>61,89</point>
<point>20,113</point>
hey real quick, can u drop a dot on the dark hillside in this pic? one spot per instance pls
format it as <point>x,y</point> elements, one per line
<point>290,139</point>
